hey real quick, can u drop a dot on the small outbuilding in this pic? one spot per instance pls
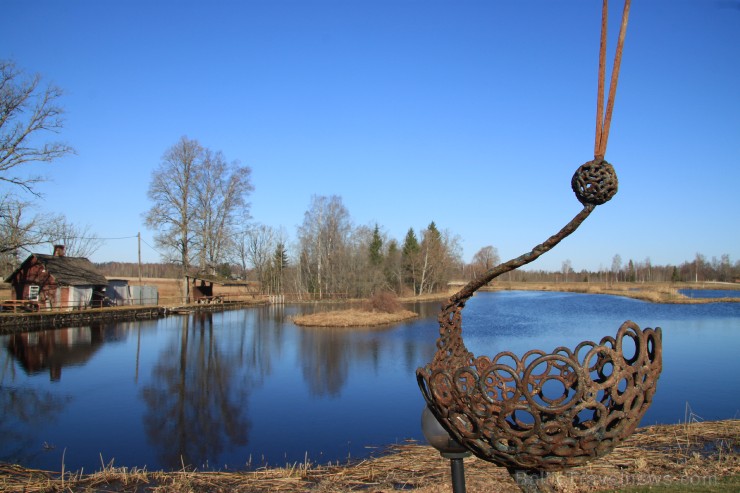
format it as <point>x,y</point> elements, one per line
<point>200,289</point>
<point>57,281</point>
<point>121,293</point>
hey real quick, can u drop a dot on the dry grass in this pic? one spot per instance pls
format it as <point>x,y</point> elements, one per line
<point>352,318</point>
<point>666,455</point>
<point>172,291</point>
<point>383,308</point>
<point>652,292</point>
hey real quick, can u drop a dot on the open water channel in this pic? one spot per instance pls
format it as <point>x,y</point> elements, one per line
<point>243,388</point>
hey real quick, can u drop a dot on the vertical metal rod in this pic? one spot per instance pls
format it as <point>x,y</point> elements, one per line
<point>458,475</point>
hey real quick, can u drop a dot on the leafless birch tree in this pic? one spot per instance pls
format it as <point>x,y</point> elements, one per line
<point>256,249</point>
<point>323,236</point>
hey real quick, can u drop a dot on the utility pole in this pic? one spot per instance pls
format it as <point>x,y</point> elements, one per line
<point>138,235</point>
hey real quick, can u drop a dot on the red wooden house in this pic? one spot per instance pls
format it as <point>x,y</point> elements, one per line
<point>57,281</point>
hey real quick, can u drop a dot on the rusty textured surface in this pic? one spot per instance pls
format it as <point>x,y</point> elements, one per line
<point>543,411</point>
<point>595,182</point>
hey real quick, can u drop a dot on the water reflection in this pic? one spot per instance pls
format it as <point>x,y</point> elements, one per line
<point>54,349</point>
<point>710,293</point>
<point>325,363</point>
<point>196,402</point>
<point>24,409</point>
<point>213,390</point>
<point>326,354</point>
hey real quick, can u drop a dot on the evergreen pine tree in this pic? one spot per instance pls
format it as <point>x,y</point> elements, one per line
<point>376,245</point>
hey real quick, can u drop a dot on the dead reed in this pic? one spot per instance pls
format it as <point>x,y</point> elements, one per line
<point>352,318</point>
<point>690,453</point>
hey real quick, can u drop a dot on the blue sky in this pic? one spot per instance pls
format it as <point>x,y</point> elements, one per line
<point>472,114</point>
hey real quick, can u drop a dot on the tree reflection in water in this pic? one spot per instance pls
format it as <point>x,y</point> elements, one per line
<point>325,360</point>
<point>23,409</point>
<point>196,402</point>
<point>327,353</point>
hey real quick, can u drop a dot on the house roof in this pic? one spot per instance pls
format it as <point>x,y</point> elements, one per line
<point>70,271</point>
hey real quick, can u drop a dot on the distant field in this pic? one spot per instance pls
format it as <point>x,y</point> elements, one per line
<point>171,291</point>
<point>168,289</point>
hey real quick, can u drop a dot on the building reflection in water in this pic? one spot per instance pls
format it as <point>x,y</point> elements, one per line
<point>54,349</point>
<point>208,390</point>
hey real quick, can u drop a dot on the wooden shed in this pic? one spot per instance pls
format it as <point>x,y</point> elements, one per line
<point>200,289</point>
<point>57,281</point>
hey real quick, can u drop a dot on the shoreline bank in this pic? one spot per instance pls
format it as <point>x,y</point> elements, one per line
<point>652,292</point>
<point>658,455</point>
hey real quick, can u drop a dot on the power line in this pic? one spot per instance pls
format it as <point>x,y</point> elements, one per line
<point>46,233</point>
<point>147,244</point>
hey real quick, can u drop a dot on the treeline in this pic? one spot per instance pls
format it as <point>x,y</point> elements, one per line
<point>127,269</point>
<point>697,270</point>
<point>333,258</point>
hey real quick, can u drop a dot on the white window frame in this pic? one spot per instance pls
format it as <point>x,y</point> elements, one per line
<point>33,292</point>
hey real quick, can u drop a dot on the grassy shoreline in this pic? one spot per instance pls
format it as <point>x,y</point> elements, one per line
<point>652,292</point>
<point>667,456</point>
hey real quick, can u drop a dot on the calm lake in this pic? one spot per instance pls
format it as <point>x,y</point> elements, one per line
<point>710,293</point>
<point>248,387</point>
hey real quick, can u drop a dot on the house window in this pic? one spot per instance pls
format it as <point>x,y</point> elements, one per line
<point>33,292</point>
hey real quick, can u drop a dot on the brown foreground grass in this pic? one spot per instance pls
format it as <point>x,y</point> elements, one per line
<point>699,454</point>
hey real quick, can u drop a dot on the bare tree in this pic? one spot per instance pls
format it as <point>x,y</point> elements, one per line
<point>256,248</point>
<point>172,191</point>
<point>199,199</point>
<point>20,230</point>
<point>393,267</point>
<point>78,241</point>
<point>27,112</point>
<point>439,256</point>
<point>323,237</point>
<point>432,254</point>
<point>567,268</point>
<point>221,189</point>
<point>439,259</point>
<point>616,266</point>
<point>484,259</point>
<point>23,232</point>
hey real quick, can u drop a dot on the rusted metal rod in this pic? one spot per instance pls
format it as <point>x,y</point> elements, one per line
<point>547,245</point>
<point>602,125</point>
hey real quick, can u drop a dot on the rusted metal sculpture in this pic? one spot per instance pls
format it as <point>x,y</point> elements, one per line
<point>545,412</point>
